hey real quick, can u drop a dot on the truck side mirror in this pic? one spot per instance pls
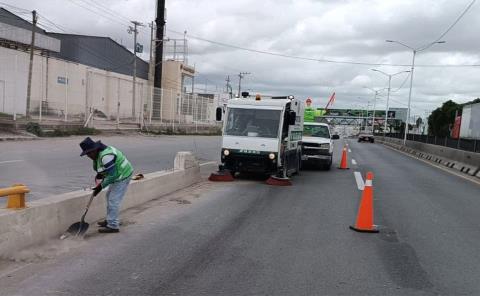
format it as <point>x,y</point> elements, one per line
<point>335,137</point>
<point>292,117</point>
<point>218,114</point>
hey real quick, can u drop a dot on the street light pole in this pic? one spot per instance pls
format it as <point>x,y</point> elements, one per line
<point>388,94</point>
<point>414,51</point>
<point>409,98</point>
<point>376,91</point>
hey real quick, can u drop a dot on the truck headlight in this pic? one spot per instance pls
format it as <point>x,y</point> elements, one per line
<point>226,152</point>
<point>271,156</point>
<point>325,146</point>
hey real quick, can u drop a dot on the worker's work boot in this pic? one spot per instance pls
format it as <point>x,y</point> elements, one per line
<point>102,223</point>
<point>107,229</point>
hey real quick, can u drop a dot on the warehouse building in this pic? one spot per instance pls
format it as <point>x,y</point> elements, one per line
<point>75,75</point>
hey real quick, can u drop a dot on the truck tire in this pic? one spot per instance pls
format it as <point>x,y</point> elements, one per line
<point>328,166</point>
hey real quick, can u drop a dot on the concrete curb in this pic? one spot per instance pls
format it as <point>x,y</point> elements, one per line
<point>17,139</point>
<point>48,218</point>
<point>459,166</point>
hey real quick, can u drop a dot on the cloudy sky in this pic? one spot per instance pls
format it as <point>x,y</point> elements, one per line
<point>318,30</point>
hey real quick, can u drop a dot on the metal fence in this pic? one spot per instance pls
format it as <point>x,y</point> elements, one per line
<point>160,107</point>
<point>73,93</point>
<point>471,145</point>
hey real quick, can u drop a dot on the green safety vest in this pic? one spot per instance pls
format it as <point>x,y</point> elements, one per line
<point>123,167</point>
<point>309,115</point>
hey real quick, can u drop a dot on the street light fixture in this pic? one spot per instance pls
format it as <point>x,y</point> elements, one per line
<point>414,51</point>
<point>388,94</point>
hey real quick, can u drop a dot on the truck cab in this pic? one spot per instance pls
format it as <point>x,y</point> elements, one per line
<point>261,135</point>
<point>317,145</point>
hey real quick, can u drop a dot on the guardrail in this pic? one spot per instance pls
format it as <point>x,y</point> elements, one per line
<point>15,196</point>
<point>471,145</point>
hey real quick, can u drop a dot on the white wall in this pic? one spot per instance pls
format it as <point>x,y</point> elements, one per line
<point>86,87</point>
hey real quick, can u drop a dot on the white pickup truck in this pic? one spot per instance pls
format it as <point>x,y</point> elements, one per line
<point>317,145</point>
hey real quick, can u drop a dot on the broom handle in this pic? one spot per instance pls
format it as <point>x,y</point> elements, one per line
<point>87,207</point>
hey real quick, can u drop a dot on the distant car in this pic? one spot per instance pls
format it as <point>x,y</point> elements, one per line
<point>366,136</point>
<point>317,145</point>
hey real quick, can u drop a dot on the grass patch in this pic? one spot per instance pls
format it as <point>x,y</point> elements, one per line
<point>81,131</point>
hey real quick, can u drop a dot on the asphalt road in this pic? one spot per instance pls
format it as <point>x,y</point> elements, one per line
<point>52,166</point>
<point>248,238</point>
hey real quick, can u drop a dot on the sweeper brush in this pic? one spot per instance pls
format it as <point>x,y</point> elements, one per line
<point>221,176</point>
<point>279,181</point>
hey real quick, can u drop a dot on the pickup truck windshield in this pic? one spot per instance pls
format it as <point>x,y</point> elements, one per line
<point>320,131</point>
<point>253,123</point>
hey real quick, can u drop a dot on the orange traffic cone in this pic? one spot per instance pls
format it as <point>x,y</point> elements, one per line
<point>364,221</point>
<point>344,162</point>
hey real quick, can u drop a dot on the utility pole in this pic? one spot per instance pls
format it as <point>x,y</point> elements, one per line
<point>240,77</point>
<point>134,30</point>
<point>30,68</point>
<point>160,22</point>
<point>151,71</point>
<point>229,87</point>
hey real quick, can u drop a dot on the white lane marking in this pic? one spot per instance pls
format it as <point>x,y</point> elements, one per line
<point>354,162</point>
<point>11,161</point>
<point>359,179</point>
<point>350,150</point>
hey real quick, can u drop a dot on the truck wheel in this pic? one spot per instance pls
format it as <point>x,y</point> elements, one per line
<point>328,166</point>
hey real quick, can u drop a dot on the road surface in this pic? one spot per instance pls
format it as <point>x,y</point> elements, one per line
<point>52,166</point>
<point>248,238</point>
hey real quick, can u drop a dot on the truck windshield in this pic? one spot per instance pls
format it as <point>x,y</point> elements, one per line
<point>253,122</point>
<point>320,131</point>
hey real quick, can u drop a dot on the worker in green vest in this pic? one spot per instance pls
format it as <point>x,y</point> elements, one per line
<point>309,113</point>
<point>113,171</point>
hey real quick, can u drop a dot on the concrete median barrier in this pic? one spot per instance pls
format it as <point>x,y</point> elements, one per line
<point>49,217</point>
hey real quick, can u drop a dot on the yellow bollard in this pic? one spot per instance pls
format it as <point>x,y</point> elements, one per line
<point>15,196</point>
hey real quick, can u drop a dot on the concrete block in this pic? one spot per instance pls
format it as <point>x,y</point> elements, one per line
<point>48,218</point>
<point>185,160</point>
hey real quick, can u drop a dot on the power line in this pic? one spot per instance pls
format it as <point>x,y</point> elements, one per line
<point>403,83</point>
<point>99,14</point>
<point>450,27</point>
<point>313,59</point>
<point>107,10</point>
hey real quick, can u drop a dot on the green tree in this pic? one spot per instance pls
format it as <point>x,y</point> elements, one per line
<point>442,118</point>
<point>418,122</point>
